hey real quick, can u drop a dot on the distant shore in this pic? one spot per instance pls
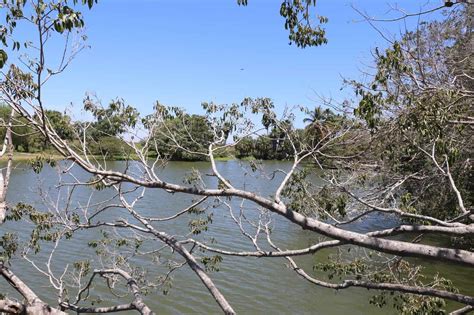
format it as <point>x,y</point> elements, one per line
<point>22,156</point>
<point>26,156</point>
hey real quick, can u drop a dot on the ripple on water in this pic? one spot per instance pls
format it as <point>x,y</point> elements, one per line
<point>252,285</point>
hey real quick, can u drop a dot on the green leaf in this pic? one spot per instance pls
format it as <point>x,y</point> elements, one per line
<point>3,58</point>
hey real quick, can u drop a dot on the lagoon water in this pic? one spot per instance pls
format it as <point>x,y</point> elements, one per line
<point>252,285</point>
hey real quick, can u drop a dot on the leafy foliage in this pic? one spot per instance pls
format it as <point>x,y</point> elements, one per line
<point>66,18</point>
<point>416,105</point>
<point>184,137</point>
<point>111,121</point>
<point>400,272</point>
<point>299,22</point>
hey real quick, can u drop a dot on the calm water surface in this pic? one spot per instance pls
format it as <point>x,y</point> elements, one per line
<point>252,285</point>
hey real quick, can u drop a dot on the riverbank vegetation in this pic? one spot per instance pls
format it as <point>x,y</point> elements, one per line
<point>400,148</point>
<point>191,131</point>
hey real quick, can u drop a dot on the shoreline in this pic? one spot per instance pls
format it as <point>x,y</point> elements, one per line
<point>25,157</point>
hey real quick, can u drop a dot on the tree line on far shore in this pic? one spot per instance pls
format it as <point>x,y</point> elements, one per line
<point>194,130</point>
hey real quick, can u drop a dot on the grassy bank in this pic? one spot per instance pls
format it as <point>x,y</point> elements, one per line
<point>24,157</point>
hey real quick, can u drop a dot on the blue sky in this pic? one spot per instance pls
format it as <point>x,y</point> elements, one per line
<point>185,52</point>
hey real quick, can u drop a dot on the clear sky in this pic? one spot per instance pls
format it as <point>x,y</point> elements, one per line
<point>185,52</point>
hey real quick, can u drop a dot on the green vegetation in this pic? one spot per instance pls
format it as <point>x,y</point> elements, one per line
<point>102,134</point>
<point>180,136</point>
<point>401,150</point>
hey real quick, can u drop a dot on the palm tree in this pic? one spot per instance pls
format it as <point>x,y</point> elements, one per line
<point>318,119</point>
<point>315,116</point>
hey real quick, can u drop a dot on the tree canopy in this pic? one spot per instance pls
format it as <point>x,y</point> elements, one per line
<point>400,152</point>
